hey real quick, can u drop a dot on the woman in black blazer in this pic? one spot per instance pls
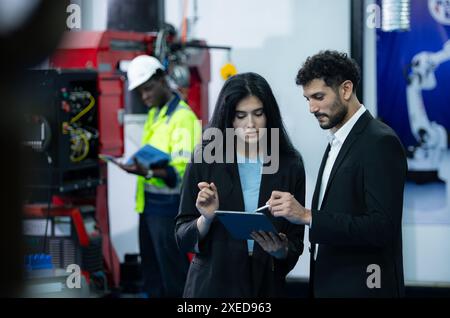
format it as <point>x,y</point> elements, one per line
<point>223,266</point>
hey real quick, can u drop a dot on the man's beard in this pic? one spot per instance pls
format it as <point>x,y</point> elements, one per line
<point>336,118</point>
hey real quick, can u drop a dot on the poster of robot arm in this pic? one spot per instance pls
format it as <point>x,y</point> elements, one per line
<point>413,78</point>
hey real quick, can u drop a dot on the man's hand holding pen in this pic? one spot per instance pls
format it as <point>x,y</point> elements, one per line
<point>284,204</point>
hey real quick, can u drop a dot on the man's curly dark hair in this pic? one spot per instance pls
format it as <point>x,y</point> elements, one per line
<point>332,67</point>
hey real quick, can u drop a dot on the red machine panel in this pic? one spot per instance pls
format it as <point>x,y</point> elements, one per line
<point>103,51</point>
<point>200,71</point>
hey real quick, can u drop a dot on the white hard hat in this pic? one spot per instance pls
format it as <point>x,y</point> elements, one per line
<point>140,69</point>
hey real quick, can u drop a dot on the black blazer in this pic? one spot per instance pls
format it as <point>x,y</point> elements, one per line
<point>359,223</point>
<point>223,267</point>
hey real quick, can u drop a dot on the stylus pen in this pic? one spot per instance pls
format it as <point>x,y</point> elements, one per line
<point>262,208</point>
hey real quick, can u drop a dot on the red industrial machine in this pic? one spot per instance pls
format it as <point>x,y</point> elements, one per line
<point>104,53</point>
<point>73,237</point>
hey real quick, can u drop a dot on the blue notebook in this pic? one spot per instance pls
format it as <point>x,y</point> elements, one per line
<point>241,224</point>
<point>150,157</point>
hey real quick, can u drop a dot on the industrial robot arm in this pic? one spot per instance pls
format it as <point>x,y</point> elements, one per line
<point>431,137</point>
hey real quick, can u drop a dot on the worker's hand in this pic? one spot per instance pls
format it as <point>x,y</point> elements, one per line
<point>207,200</point>
<point>275,245</point>
<point>134,168</point>
<point>285,205</point>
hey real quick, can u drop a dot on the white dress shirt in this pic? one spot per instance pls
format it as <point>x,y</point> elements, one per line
<point>336,141</point>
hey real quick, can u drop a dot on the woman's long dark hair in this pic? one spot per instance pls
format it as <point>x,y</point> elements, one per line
<point>240,86</point>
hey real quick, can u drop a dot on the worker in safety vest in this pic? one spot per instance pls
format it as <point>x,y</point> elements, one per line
<point>173,128</point>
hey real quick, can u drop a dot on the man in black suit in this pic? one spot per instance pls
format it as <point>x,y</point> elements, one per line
<point>356,214</point>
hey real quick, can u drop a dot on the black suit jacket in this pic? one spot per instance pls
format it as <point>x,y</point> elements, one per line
<point>359,222</point>
<point>223,268</point>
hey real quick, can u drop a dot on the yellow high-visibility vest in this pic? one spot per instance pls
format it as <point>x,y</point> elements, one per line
<point>173,129</point>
